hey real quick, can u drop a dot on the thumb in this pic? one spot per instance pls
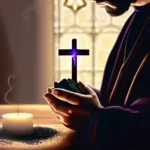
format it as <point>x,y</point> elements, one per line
<point>87,88</point>
<point>94,100</point>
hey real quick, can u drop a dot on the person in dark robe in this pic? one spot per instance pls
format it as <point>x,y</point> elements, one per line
<point>116,117</point>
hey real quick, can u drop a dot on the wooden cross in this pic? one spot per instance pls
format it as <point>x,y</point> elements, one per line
<point>74,52</point>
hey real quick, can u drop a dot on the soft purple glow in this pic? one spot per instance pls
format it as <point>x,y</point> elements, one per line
<point>74,57</point>
<point>74,54</point>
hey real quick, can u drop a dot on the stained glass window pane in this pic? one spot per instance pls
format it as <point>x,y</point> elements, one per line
<point>98,79</point>
<point>65,75</point>
<point>93,28</point>
<point>85,77</point>
<point>103,45</point>
<point>101,18</point>
<point>84,17</point>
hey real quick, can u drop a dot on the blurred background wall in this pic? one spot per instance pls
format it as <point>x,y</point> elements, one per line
<point>25,48</point>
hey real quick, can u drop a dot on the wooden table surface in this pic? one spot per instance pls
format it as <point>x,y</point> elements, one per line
<point>62,141</point>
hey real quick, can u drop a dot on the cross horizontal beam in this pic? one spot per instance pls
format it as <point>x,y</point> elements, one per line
<point>71,52</point>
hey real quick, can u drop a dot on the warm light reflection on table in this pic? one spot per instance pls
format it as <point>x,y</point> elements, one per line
<point>43,117</point>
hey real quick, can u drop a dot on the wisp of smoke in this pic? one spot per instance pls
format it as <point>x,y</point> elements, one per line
<point>11,85</point>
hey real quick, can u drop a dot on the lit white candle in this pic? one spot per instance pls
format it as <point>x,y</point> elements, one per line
<point>17,123</point>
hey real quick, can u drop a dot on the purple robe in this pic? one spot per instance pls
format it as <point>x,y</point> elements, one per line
<point>124,123</point>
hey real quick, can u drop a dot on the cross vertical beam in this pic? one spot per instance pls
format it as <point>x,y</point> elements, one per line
<point>74,52</point>
<point>74,60</point>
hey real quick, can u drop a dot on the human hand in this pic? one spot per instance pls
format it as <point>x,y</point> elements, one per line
<point>90,91</point>
<point>71,108</point>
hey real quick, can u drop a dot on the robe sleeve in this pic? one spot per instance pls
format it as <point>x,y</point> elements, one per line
<point>117,127</point>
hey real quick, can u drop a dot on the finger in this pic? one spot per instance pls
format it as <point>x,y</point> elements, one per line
<point>87,88</point>
<point>49,90</point>
<point>48,98</point>
<point>55,83</point>
<point>74,119</point>
<point>57,106</point>
<point>48,101</point>
<point>53,112</point>
<point>70,97</point>
<point>64,119</point>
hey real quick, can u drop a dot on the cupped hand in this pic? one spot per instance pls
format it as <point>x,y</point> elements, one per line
<point>70,107</point>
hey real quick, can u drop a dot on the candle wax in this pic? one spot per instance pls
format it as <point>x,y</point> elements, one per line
<point>17,123</point>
